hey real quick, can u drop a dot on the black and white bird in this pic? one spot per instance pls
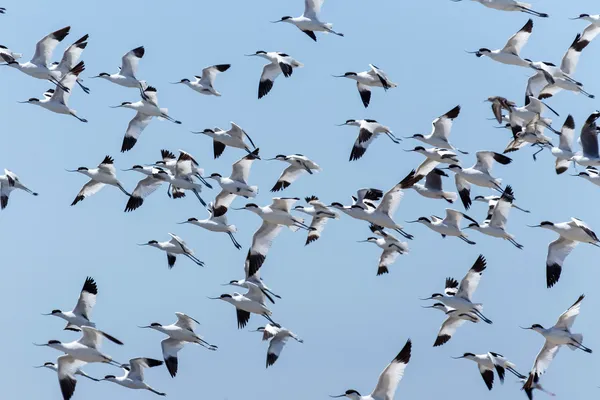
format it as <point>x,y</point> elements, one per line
<point>389,378</point>
<point>368,131</point>
<point>392,248</point>
<point>571,233</point>
<point>502,365</point>
<point>320,213</point>
<point>9,182</point>
<point>56,100</point>
<point>204,83</point>
<point>279,63</point>
<point>105,174</point>
<point>550,79</point>
<point>279,337</point>
<point>509,5</point>
<point>593,29</point>
<point>174,247</point>
<point>40,65</point>
<point>81,314</point>
<point>454,318</point>
<point>441,127</point>
<point>146,186</point>
<point>309,22</point>
<point>590,174</point>
<point>298,165</point>
<point>236,184</point>
<point>186,170</point>
<point>375,77</point>
<point>479,175</point>
<point>7,51</point>
<point>510,53</point>
<point>432,189</point>
<point>365,198</point>
<point>215,224</point>
<point>234,137</point>
<point>492,200</point>
<point>484,364</point>
<point>460,299</point>
<point>252,302</point>
<point>556,336</point>
<point>180,333</point>
<point>146,109</point>
<point>275,216</point>
<point>134,374</point>
<point>128,70</point>
<point>77,354</point>
<point>255,279</point>
<point>495,223</point>
<point>447,226</point>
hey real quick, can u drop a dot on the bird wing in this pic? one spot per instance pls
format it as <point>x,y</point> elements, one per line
<point>185,321</point>
<point>590,32</point>
<point>567,133</point>
<point>131,60</point>
<point>290,174</point>
<point>283,203</point>
<point>543,359</point>
<point>391,200</point>
<point>571,57</point>
<point>87,299</point>
<point>450,325</point>
<point>275,346</point>
<point>392,374</point>
<point>176,240</point>
<point>255,293</point>
<point>263,238</point>
<point>317,224</point>
<point>67,367</point>
<point>67,81</point>
<point>451,287</point>
<point>107,165</point>
<point>170,348</point>
<point>501,209</point>
<point>91,337</point>
<point>558,250</point>
<point>487,375</point>
<point>210,73</point>
<point>45,47</point>
<point>269,73</point>
<point>223,199</point>
<point>185,165</point>
<point>519,39</point>
<point>470,282</point>
<point>589,137</point>
<point>485,160</point>
<point>388,257</point>
<point>146,187</point>
<point>134,130</point>
<point>365,93</point>
<point>566,319</point>
<point>368,194</point>
<point>312,8</point>
<point>464,190</point>
<point>89,189</point>
<point>433,180</point>
<point>269,331</point>
<point>72,54</point>
<point>240,170</point>
<point>535,84</point>
<point>443,124</point>
<point>236,131</point>
<point>137,365</point>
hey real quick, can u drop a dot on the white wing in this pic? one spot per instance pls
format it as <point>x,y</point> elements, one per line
<point>391,200</point>
<point>312,8</point>
<point>392,374</point>
<point>89,189</point>
<point>590,32</point>
<point>318,224</point>
<point>135,129</point>
<point>558,250</point>
<point>67,367</point>
<point>130,62</point>
<point>443,125</point>
<point>464,190</point>
<point>240,170</point>
<point>45,47</point>
<point>170,348</point>
<point>210,73</point>
<point>137,365</point>
<point>269,73</point>
<point>275,346</point>
<point>571,57</point>
<point>270,331</point>
<point>501,209</point>
<point>470,282</point>
<point>567,133</point>
<point>544,358</point>
<point>536,83</point>
<point>87,299</point>
<point>255,293</point>
<point>450,325</point>
<point>72,55</point>
<point>519,39</point>
<point>223,199</point>
<point>454,217</point>
<point>67,81</point>
<point>284,203</point>
<point>185,321</point>
<point>146,187</point>
<point>290,174</point>
<point>566,320</point>
<point>179,241</point>
<point>263,238</point>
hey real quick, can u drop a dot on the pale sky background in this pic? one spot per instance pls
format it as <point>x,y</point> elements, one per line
<point>352,321</point>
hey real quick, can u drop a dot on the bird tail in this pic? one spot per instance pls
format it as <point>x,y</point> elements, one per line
<point>16,56</point>
<point>478,306</point>
<point>254,189</point>
<point>578,337</point>
<point>233,228</point>
<point>297,64</point>
<point>525,5</point>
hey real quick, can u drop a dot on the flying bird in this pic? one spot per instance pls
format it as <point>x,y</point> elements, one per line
<point>441,127</point>
<point>70,58</point>
<point>81,314</point>
<point>320,213</point>
<point>279,337</point>
<point>215,224</point>
<point>279,63</point>
<point>368,131</point>
<point>375,77</point>
<point>510,53</point>
<point>509,5</point>
<point>127,72</point>
<point>204,83</point>
<point>134,374</point>
<point>309,22</point>
<point>298,165</point>
<point>448,226</point>
<point>9,182</point>
<point>392,248</point>
<point>234,137</point>
<point>252,302</point>
<point>175,246</point>
<point>105,174</point>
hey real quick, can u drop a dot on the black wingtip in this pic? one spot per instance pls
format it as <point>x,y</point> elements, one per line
<point>77,199</point>
<point>90,286</point>
<point>453,113</point>
<point>271,358</point>
<point>552,274</point>
<point>280,185</point>
<point>133,203</point>
<point>222,67</point>
<point>382,270</point>
<point>441,340</point>
<point>480,264</point>
<point>139,51</point>
<point>404,354</point>
<point>171,363</point>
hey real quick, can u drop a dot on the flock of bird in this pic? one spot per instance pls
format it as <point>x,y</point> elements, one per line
<point>181,173</point>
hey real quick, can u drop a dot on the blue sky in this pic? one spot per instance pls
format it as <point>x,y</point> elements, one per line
<point>353,322</point>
